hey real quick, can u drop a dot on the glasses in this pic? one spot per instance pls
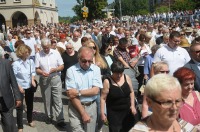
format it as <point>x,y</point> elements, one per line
<point>93,47</point>
<point>169,104</point>
<point>182,34</point>
<point>176,41</point>
<point>85,61</point>
<point>28,33</point>
<point>198,51</point>
<point>69,48</point>
<point>164,72</point>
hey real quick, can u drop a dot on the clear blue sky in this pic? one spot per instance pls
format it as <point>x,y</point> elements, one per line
<point>65,7</point>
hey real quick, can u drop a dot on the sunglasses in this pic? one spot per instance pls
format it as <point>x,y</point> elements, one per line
<point>198,51</point>
<point>28,33</point>
<point>164,72</point>
<point>85,61</point>
<point>93,47</point>
<point>69,48</point>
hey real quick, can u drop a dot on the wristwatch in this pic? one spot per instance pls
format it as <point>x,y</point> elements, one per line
<point>79,93</point>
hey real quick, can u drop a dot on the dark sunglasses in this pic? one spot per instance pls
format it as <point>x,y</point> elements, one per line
<point>85,61</point>
<point>69,48</point>
<point>164,72</point>
<point>198,51</point>
<point>93,47</point>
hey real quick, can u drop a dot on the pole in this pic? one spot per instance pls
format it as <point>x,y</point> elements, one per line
<point>169,5</point>
<point>120,9</point>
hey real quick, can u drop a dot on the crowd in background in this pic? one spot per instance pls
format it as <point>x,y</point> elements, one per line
<point>124,55</point>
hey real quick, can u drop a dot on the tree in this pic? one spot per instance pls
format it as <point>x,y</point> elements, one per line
<point>94,7</point>
<point>131,7</point>
<point>183,5</point>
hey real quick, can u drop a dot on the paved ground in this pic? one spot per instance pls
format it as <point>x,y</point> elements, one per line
<point>39,117</point>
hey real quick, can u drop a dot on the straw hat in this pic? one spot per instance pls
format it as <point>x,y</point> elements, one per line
<point>184,43</point>
<point>189,29</point>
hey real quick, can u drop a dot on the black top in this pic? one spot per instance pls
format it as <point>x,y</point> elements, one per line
<point>69,61</point>
<point>118,98</point>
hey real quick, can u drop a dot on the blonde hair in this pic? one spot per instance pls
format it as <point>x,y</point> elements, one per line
<point>158,66</point>
<point>22,49</point>
<point>98,58</point>
<point>161,82</point>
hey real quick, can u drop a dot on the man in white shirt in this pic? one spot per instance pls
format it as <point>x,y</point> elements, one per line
<point>171,53</point>
<point>31,43</point>
<point>48,65</point>
<point>76,41</point>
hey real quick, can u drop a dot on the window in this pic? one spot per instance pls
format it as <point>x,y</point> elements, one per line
<point>2,1</point>
<point>44,1</point>
<point>17,1</point>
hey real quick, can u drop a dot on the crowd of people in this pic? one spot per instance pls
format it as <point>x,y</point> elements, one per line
<point>103,65</point>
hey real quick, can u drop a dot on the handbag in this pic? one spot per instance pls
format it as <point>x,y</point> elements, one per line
<point>143,86</point>
<point>32,88</point>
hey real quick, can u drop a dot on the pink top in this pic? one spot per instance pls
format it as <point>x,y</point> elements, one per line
<point>189,113</point>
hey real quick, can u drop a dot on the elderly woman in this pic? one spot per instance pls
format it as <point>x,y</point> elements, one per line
<point>190,111</point>
<point>160,67</point>
<point>119,97</point>
<point>24,70</point>
<point>163,94</point>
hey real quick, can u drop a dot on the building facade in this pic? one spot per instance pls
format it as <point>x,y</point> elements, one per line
<point>15,13</point>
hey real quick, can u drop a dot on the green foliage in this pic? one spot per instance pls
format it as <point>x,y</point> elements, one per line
<point>183,5</point>
<point>131,7</point>
<point>162,9</point>
<point>94,7</point>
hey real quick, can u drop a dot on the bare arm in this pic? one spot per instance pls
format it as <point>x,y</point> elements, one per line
<point>132,96</point>
<point>104,94</point>
<point>72,93</point>
<point>144,107</point>
<point>77,104</point>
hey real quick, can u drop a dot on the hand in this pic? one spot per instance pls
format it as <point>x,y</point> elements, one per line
<point>33,83</point>
<point>133,110</point>
<point>45,74</point>
<point>86,118</point>
<point>53,70</point>
<point>104,118</point>
<point>72,93</point>
<point>21,90</point>
<point>133,63</point>
<point>146,77</point>
<point>18,103</point>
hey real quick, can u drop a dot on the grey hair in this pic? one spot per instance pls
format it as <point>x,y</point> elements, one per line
<point>158,66</point>
<point>1,52</point>
<point>45,42</point>
<point>161,82</point>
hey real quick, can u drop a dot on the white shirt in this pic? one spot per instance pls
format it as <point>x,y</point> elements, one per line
<point>175,58</point>
<point>62,45</point>
<point>48,61</point>
<point>77,45</point>
<point>31,43</point>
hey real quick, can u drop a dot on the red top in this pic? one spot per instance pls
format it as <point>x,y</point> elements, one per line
<point>189,113</point>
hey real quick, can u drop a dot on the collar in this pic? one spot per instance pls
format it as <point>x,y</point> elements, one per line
<point>26,61</point>
<point>50,52</point>
<point>196,62</point>
<point>78,68</point>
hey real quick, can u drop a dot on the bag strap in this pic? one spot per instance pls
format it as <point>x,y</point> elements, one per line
<point>117,85</point>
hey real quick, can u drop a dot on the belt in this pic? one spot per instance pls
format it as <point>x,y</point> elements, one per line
<point>87,103</point>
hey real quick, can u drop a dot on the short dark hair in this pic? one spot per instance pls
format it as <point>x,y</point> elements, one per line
<point>174,34</point>
<point>117,67</point>
<point>123,41</point>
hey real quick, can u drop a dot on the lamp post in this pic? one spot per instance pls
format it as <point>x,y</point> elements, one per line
<point>120,10</point>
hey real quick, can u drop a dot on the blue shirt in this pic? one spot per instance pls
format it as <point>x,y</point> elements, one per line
<point>81,79</point>
<point>147,64</point>
<point>23,71</point>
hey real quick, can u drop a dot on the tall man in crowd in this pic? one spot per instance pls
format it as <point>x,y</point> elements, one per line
<point>48,65</point>
<point>28,40</point>
<point>83,81</point>
<point>194,63</point>
<point>9,92</point>
<point>172,53</point>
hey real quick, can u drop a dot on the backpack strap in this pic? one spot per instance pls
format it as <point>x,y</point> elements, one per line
<point>198,96</point>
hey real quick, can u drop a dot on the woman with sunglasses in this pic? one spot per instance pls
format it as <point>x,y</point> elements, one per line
<point>160,67</point>
<point>99,61</point>
<point>190,111</point>
<point>163,95</point>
